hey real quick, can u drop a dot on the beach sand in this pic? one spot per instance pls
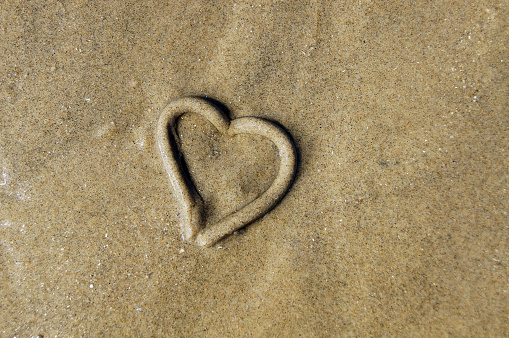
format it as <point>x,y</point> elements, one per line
<point>396,224</point>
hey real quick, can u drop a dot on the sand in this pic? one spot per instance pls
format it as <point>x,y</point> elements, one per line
<point>395,225</point>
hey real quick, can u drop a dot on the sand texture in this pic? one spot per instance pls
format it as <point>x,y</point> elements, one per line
<point>396,223</point>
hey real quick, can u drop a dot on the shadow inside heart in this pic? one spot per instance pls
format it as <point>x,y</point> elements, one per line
<point>229,172</point>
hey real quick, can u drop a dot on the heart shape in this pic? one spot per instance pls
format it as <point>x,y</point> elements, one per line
<point>190,201</point>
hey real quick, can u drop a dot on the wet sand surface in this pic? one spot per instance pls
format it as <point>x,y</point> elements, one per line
<point>396,223</point>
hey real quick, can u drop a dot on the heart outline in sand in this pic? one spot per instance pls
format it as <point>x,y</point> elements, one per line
<point>190,202</point>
